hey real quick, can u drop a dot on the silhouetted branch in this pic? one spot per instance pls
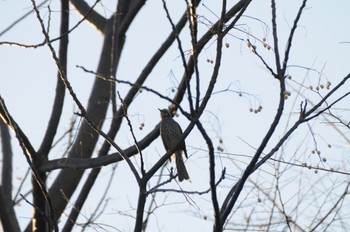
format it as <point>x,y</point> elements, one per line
<point>20,19</point>
<point>333,209</point>
<point>291,35</point>
<point>55,39</point>
<point>97,20</point>
<point>32,160</point>
<point>7,212</point>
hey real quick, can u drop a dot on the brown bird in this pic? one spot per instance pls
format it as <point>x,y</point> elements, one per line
<point>171,134</point>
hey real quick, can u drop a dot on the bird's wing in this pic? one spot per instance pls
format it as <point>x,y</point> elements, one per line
<point>163,140</point>
<point>182,144</point>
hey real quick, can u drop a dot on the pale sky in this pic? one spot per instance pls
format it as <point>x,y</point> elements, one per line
<point>322,43</point>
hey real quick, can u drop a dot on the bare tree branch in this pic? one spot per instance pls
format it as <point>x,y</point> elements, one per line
<point>291,35</point>
<point>228,199</point>
<point>20,19</point>
<point>334,208</point>
<point>187,74</point>
<point>60,87</point>
<point>275,37</point>
<point>32,160</point>
<point>97,20</point>
<point>7,210</point>
<point>85,129</point>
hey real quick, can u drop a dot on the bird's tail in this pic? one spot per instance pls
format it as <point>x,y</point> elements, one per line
<point>180,166</point>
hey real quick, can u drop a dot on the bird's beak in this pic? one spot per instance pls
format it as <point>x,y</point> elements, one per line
<point>159,109</point>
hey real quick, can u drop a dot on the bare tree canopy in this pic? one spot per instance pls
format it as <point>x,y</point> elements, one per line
<point>253,99</point>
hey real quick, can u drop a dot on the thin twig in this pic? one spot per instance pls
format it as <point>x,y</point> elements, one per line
<point>55,39</point>
<point>182,54</point>
<point>132,133</point>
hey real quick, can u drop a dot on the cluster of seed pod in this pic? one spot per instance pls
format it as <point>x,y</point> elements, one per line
<point>266,45</point>
<point>287,94</point>
<point>321,86</point>
<point>257,110</point>
<point>254,47</point>
<point>210,61</point>
<point>219,147</point>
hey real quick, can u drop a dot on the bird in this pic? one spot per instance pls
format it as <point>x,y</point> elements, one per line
<point>171,134</point>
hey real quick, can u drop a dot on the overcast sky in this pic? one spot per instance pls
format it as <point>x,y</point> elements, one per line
<point>322,43</point>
